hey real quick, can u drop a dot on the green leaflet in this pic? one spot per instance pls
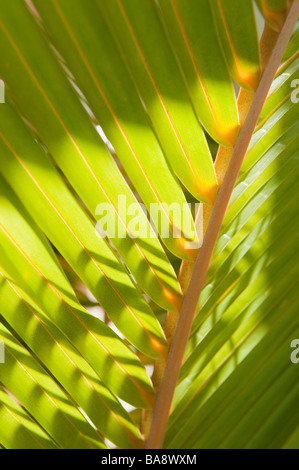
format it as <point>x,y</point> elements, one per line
<point>66,365</point>
<point>229,273</point>
<point>27,258</point>
<point>236,271</point>
<point>293,45</point>
<point>66,129</point>
<point>238,383</point>
<point>250,213</point>
<point>73,234</point>
<point>283,89</point>
<point>43,399</point>
<point>293,440</point>
<point>239,39</point>
<point>20,431</point>
<point>268,361</point>
<point>81,153</point>
<point>204,68</point>
<point>274,11</point>
<point>163,91</point>
<point>235,327</point>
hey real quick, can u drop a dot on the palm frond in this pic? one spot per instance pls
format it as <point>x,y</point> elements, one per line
<point>121,106</point>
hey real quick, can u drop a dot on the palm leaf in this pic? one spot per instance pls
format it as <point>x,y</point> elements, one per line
<point>66,365</point>
<point>43,399</point>
<point>20,431</point>
<point>127,101</point>
<point>274,11</point>
<point>243,308</point>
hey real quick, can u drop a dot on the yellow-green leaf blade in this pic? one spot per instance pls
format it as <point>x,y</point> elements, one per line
<point>191,28</point>
<point>239,39</point>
